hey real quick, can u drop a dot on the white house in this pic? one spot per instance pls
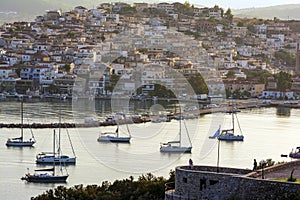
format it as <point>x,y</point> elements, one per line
<point>26,57</point>
<point>260,28</point>
<point>5,71</point>
<point>275,94</point>
<point>80,10</point>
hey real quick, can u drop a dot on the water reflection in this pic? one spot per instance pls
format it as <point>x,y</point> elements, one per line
<point>283,111</point>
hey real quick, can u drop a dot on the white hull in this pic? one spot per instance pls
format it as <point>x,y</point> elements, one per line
<point>19,141</point>
<point>56,160</point>
<point>176,149</point>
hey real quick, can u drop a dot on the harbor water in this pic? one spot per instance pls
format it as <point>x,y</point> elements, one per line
<point>268,133</point>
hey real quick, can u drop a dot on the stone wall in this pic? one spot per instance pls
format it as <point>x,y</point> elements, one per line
<point>208,184</point>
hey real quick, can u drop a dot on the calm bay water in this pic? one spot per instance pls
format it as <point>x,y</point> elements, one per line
<point>269,132</point>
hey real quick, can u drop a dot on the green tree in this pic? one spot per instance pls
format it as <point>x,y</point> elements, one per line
<point>251,28</point>
<point>146,187</point>
<point>198,84</point>
<point>284,82</point>
<point>262,76</point>
<point>70,34</point>
<point>187,4</point>
<point>222,10</point>
<point>286,58</point>
<point>18,71</point>
<point>245,93</point>
<point>229,15</point>
<point>128,10</point>
<point>228,93</point>
<point>67,67</point>
<point>161,91</point>
<point>240,24</point>
<point>239,40</point>
<point>236,94</point>
<point>113,79</point>
<point>186,8</point>
<point>102,38</point>
<point>230,74</point>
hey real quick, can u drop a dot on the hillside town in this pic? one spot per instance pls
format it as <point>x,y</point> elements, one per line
<point>125,49</point>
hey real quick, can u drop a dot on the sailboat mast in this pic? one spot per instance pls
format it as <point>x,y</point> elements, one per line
<point>232,120</point>
<point>54,142</point>
<point>59,130</point>
<point>180,116</point>
<point>54,151</point>
<point>117,129</point>
<point>232,116</point>
<point>22,119</point>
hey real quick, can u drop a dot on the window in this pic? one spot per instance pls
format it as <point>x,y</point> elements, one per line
<point>202,184</point>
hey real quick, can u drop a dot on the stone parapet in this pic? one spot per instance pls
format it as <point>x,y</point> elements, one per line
<point>204,182</point>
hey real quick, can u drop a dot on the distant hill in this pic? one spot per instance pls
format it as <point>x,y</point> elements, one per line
<point>27,10</point>
<point>284,12</point>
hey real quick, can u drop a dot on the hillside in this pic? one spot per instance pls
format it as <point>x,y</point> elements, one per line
<point>15,10</point>
<point>284,12</point>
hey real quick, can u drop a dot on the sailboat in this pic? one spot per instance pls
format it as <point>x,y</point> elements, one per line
<point>175,146</point>
<point>229,134</point>
<point>19,141</point>
<point>114,136</point>
<point>46,177</point>
<point>56,157</point>
<point>295,153</point>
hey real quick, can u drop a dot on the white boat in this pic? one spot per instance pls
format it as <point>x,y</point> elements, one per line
<point>114,136</point>
<point>176,146</point>
<point>159,119</point>
<point>48,158</point>
<point>295,153</point>
<point>229,134</point>
<point>19,141</point>
<point>46,177</point>
<point>91,120</point>
<point>116,117</point>
<point>56,157</point>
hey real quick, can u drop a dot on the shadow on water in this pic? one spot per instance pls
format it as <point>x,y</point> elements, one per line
<point>283,111</point>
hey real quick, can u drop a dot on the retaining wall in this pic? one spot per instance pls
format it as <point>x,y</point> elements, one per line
<point>205,183</point>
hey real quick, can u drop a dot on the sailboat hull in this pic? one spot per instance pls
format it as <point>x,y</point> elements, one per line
<point>45,178</point>
<point>231,137</point>
<point>56,160</point>
<point>114,139</point>
<point>294,155</point>
<point>176,149</point>
<point>20,144</point>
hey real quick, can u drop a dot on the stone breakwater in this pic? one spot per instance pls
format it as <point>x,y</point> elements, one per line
<point>71,125</point>
<point>239,104</point>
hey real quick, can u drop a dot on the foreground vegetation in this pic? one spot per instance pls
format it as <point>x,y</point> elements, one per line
<point>146,187</point>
